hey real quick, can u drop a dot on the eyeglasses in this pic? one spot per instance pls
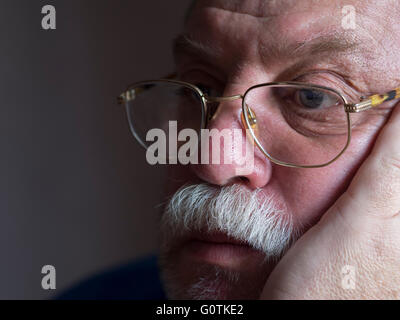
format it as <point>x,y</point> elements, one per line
<point>293,124</point>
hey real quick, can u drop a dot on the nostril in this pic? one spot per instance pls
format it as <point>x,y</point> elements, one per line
<point>237,180</point>
<point>243,179</point>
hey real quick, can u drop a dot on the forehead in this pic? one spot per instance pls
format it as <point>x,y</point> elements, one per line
<point>275,28</point>
<point>266,9</point>
<point>297,20</point>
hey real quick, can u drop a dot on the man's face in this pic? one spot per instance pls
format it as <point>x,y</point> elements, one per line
<point>237,44</point>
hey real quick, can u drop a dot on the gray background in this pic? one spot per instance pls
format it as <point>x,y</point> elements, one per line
<point>75,190</point>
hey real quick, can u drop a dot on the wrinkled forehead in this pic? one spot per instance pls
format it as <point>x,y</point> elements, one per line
<point>300,20</point>
<point>231,30</point>
<point>267,9</point>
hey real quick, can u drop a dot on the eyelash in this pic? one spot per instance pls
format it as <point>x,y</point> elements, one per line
<point>332,80</point>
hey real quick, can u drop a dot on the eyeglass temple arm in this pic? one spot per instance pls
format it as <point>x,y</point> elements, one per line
<point>364,104</point>
<point>126,95</point>
<point>373,101</point>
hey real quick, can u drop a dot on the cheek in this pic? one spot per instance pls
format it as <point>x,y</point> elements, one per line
<point>308,193</point>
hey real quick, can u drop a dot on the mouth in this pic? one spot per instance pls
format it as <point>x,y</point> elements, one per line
<point>219,249</point>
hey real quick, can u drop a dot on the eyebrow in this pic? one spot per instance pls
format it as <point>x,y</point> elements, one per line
<point>319,45</point>
<point>336,43</point>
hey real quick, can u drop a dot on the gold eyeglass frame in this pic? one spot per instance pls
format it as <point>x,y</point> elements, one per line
<point>248,118</point>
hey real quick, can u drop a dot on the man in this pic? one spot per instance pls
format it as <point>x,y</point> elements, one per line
<point>232,45</point>
<point>284,231</point>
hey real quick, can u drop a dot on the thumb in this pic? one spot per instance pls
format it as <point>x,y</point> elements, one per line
<point>375,190</point>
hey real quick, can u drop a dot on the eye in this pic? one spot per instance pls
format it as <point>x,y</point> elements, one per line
<point>315,99</point>
<point>203,80</point>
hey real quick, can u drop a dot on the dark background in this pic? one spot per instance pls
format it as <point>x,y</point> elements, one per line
<point>75,189</point>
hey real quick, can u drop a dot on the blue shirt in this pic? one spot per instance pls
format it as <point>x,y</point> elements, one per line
<point>138,280</point>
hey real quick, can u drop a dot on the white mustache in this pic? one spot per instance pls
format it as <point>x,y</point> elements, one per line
<point>240,213</point>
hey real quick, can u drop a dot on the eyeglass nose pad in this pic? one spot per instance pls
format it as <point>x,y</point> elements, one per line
<point>251,116</point>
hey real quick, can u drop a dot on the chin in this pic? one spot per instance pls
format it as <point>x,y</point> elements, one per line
<point>213,267</point>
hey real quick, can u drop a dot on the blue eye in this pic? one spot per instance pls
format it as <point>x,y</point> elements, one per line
<point>315,99</point>
<point>310,98</point>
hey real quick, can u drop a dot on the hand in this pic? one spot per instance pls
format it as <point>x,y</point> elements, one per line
<point>361,230</point>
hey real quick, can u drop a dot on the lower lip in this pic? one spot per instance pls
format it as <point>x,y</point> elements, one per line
<point>219,253</point>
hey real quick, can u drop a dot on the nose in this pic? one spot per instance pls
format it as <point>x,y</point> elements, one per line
<point>228,154</point>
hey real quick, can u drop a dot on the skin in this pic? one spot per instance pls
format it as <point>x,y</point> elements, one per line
<point>250,42</point>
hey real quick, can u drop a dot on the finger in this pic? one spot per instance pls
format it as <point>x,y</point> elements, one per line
<point>375,190</point>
